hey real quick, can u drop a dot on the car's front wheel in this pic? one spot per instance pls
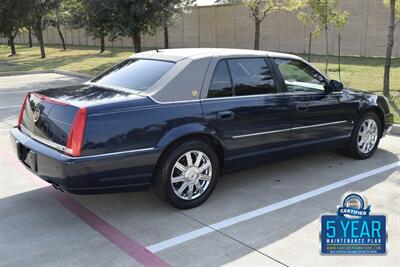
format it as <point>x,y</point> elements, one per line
<point>365,138</point>
<point>187,174</point>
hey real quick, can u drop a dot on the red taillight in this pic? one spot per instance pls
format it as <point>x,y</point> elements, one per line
<point>21,113</point>
<point>75,137</point>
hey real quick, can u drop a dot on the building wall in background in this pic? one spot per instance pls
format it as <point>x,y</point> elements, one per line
<point>232,26</point>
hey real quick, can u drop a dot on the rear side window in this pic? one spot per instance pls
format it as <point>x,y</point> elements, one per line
<point>251,76</point>
<point>136,74</point>
<point>221,85</point>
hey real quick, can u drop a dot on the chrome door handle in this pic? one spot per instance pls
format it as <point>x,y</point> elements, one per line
<point>302,108</point>
<point>225,115</point>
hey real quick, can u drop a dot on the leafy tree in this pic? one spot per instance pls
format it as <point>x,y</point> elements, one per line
<point>100,19</point>
<point>396,10</point>
<point>170,14</point>
<point>135,17</point>
<point>67,13</point>
<point>394,7</point>
<point>56,19</point>
<point>39,18</point>
<point>323,14</point>
<point>261,8</point>
<point>12,17</point>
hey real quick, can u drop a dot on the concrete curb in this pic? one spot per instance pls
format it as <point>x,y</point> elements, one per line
<point>396,129</point>
<point>57,71</point>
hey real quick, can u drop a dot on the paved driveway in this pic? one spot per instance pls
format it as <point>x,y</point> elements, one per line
<point>265,216</point>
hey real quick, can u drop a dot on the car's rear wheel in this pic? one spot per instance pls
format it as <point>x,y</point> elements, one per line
<point>187,174</point>
<point>365,138</point>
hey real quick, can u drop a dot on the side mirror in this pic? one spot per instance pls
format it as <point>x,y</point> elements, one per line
<point>335,86</point>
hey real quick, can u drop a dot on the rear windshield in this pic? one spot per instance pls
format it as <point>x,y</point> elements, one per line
<point>136,74</point>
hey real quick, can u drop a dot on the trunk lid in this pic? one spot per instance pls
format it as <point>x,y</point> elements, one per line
<point>49,115</point>
<point>85,95</point>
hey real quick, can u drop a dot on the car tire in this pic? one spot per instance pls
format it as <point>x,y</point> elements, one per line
<point>364,141</point>
<point>176,170</point>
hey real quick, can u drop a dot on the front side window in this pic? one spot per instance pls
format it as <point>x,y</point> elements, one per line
<point>251,76</point>
<point>221,85</point>
<point>299,77</point>
<point>136,74</point>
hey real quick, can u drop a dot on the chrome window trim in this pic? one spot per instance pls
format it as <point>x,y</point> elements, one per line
<point>242,96</point>
<point>173,102</point>
<point>306,93</point>
<point>289,129</point>
<point>210,99</point>
<point>237,97</point>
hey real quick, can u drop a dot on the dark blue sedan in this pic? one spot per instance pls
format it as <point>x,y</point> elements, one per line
<point>176,119</point>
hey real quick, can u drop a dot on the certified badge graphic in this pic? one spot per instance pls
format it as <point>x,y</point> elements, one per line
<point>353,207</point>
<point>353,230</point>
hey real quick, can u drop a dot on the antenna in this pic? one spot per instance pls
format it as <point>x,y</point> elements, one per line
<point>156,49</point>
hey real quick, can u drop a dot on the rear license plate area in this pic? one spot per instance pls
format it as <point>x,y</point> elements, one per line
<point>22,151</point>
<point>27,156</point>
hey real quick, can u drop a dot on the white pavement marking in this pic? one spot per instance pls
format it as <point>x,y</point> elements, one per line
<point>267,209</point>
<point>13,106</point>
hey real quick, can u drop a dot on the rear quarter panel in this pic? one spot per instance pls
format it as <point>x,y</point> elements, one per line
<point>137,125</point>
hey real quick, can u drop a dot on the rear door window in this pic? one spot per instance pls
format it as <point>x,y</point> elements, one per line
<point>251,76</point>
<point>136,74</point>
<point>221,85</point>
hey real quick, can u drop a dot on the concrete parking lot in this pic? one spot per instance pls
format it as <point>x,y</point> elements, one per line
<point>265,216</point>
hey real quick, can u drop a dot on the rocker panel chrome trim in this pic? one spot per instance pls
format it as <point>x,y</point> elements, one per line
<point>289,129</point>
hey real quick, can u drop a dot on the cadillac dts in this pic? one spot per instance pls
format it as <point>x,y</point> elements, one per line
<point>176,119</point>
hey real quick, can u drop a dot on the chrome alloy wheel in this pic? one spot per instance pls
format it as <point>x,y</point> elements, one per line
<point>191,175</point>
<point>367,136</point>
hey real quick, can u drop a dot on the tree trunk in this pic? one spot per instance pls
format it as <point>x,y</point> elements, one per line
<point>41,43</point>
<point>339,54</point>
<point>12,45</point>
<point>30,37</point>
<point>309,47</point>
<point>61,37</point>
<point>327,50</point>
<point>102,43</point>
<point>137,42</point>
<point>257,34</point>
<point>166,40</point>
<point>39,35</point>
<point>388,62</point>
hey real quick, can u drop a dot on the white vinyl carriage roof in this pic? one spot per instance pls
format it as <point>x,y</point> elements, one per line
<point>187,53</point>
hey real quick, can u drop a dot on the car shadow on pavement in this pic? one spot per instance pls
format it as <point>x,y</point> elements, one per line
<point>34,226</point>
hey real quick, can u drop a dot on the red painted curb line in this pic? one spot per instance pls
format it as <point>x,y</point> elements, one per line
<point>125,243</point>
